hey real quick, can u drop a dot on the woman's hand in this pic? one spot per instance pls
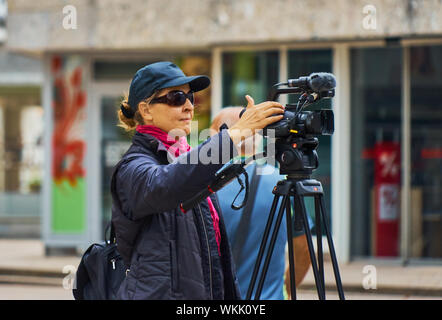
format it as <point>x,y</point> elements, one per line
<point>256,117</point>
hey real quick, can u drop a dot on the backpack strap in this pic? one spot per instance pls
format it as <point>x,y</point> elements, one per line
<point>113,186</point>
<point>113,230</point>
<point>112,237</point>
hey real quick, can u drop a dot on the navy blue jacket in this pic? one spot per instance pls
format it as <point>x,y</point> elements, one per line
<point>171,254</point>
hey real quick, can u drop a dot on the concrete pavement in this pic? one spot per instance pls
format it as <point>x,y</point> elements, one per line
<point>24,262</point>
<point>382,277</point>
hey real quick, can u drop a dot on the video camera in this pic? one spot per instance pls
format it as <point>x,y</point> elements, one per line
<point>296,133</point>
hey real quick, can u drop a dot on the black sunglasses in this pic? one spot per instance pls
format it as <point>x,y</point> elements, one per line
<point>174,98</point>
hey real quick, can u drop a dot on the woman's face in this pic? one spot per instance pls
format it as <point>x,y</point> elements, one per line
<point>168,117</point>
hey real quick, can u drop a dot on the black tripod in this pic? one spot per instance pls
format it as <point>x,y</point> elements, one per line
<point>297,187</point>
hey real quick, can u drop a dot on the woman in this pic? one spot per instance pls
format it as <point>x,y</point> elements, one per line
<point>172,254</point>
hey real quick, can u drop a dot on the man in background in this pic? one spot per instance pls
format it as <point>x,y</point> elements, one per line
<point>245,227</point>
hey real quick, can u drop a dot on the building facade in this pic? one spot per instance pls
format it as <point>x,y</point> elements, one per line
<point>381,169</point>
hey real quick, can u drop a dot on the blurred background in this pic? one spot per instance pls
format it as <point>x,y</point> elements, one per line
<point>65,66</point>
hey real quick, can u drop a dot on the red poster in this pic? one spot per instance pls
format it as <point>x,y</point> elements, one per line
<point>387,198</point>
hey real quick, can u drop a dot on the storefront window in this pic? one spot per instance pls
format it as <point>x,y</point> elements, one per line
<point>251,73</point>
<point>21,161</point>
<point>198,65</point>
<point>375,151</point>
<point>113,70</point>
<point>426,151</point>
<point>114,143</point>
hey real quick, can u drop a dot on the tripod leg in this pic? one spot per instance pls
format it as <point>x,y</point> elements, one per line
<point>262,247</point>
<point>291,252</point>
<point>271,246</point>
<point>299,203</point>
<point>332,251</point>
<point>319,240</point>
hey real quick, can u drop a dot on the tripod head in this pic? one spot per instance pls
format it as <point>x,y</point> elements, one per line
<point>297,156</point>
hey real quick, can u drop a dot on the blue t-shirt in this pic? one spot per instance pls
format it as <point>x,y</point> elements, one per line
<point>274,281</point>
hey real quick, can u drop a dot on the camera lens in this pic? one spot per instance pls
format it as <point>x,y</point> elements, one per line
<point>319,122</point>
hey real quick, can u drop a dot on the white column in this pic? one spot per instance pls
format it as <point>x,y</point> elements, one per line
<point>406,156</point>
<point>216,83</point>
<point>341,164</point>
<point>93,120</point>
<point>47,143</point>
<point>283,71</point>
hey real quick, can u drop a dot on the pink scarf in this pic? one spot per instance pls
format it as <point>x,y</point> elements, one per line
<point>175,146</point>
<point>178,147</point>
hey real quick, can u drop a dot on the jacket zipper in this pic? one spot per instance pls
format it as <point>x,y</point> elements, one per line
<point>208,251</point>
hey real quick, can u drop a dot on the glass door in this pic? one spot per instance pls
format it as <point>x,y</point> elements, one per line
<point>108,143</point>
<point>375,151</point>
<point>113,144</point>
<point>426,152</point>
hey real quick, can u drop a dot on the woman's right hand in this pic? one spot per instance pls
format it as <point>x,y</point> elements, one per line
<point>256,117</point>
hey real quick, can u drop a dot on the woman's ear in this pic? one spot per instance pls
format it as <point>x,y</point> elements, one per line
<point>145,112</point>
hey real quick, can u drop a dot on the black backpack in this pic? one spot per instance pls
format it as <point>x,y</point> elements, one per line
<point>100,272</point>
<point>102,268</point>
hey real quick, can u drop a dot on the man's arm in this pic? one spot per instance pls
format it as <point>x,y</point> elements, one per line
<point>302,262</point>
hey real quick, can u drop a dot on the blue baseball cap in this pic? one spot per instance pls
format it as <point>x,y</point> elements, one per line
<point>157,76</point>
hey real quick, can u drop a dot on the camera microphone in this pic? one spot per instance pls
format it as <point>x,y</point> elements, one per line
<point>317,85</point>
<point>316,82</point>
